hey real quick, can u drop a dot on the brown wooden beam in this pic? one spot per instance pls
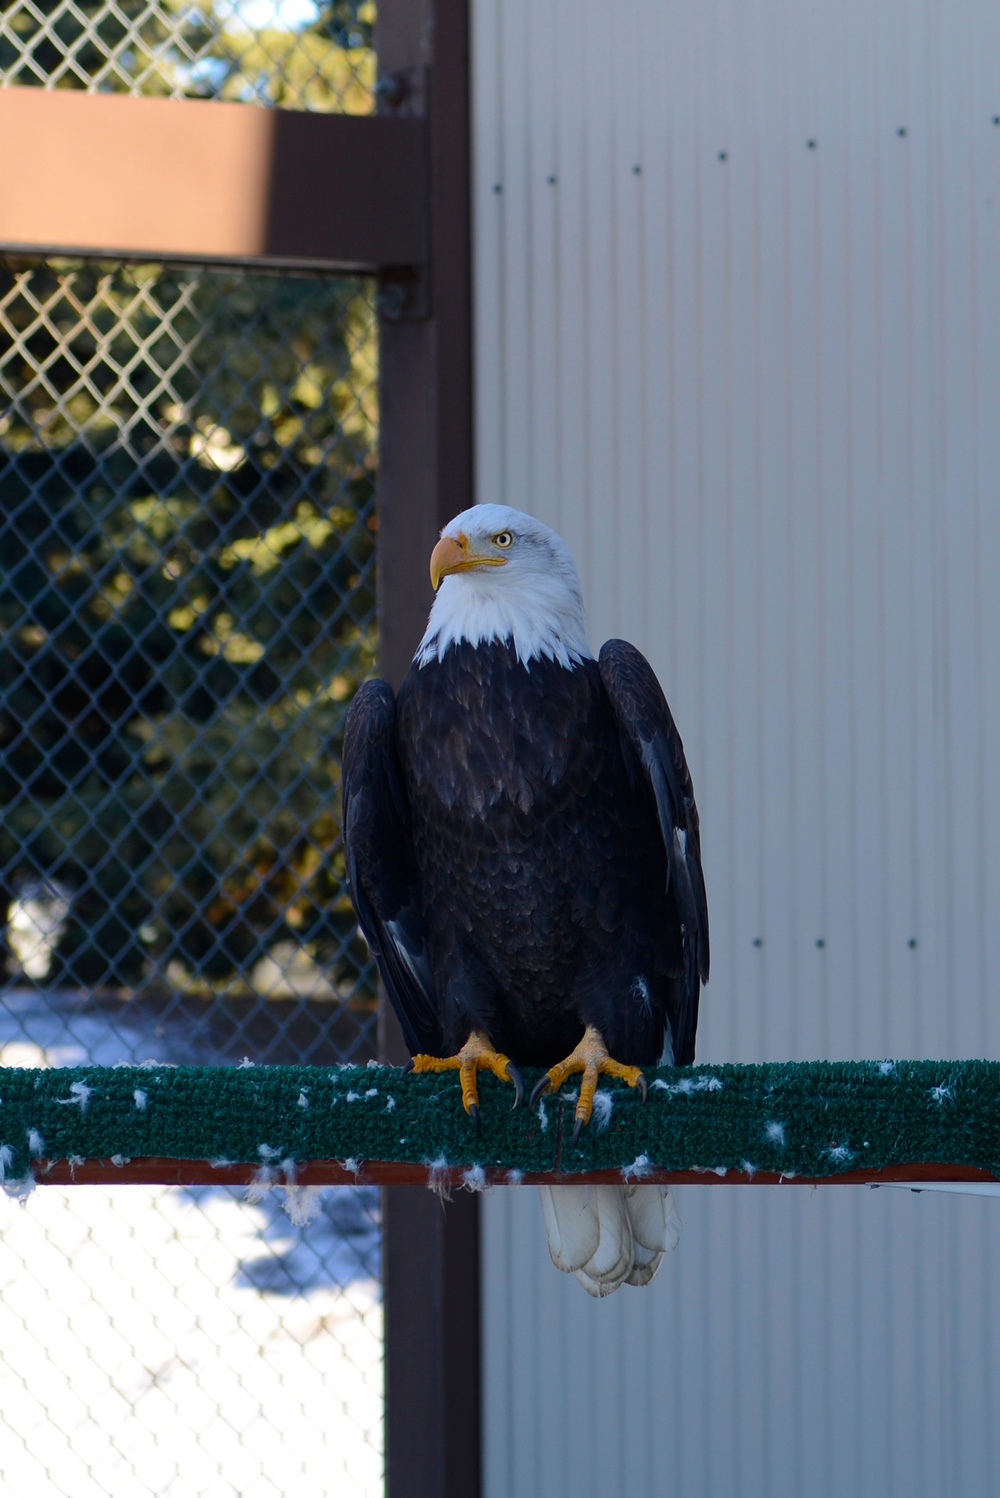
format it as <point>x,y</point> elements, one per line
<point>157,1171</point>
<point>105,174</point>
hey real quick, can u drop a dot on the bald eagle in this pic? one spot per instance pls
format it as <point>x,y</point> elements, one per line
<point>523,855</point>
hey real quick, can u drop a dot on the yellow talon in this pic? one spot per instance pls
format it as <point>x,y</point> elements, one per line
<point>476,1055</point>
<point>591,1058</point>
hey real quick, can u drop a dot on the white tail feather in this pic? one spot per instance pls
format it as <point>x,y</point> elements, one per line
<point>613,1256</point>
<point>597,1288</point>
<point>644,1266</point>
<point>574,1231</point>
<point>606,1236</point>
<point>654,1219</point>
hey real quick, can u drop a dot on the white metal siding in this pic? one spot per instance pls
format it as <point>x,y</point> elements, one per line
<point>760,396</point>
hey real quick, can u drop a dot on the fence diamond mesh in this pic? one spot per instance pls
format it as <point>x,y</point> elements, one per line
<point>187,547</point>
<point>300,54</point>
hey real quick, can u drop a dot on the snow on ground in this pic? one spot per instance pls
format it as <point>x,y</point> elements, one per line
<point>57,1029</point>
<point>182,1342</point>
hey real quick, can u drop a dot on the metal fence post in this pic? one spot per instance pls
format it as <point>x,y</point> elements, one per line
<point>431,1263</point>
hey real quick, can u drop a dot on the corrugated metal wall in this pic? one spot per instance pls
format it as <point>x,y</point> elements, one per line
<point>738,337</point>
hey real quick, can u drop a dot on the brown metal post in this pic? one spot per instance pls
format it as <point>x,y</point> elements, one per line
<point>431,1250</point>
<point>426,332</point>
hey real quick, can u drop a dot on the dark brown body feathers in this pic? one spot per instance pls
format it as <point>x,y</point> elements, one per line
<point>512,854</point>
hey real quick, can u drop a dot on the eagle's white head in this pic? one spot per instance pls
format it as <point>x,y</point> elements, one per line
<point>502,575</point>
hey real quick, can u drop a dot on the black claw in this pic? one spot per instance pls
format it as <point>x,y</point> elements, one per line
<point>641,1084</point>
<point>408,1065</point>
<point>518,1081</point>
<point>578,1125</point>
<point>474,1115</point>
<point>537,1090</point>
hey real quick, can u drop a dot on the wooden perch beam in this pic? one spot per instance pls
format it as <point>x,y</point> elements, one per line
<point>887,1122</point>
<point>153,1171</point>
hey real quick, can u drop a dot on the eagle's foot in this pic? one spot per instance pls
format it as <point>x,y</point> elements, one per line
<point>476,1055</point>
<point>591,1058</point>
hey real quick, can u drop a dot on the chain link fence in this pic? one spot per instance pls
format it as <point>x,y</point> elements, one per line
<point>187,549</point>
<point>299,54</point>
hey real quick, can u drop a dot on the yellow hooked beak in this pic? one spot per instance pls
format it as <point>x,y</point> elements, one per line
<point>453,554</point>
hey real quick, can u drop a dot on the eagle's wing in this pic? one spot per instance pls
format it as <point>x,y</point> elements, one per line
<point>653,749</point>
<point>381,869</point>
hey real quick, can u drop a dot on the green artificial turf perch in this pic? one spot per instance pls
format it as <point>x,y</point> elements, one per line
<point>817,1119</point>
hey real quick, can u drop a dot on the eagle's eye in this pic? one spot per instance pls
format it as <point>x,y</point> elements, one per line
<point>502,539</point>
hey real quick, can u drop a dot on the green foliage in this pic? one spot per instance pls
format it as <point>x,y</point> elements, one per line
<point>187,464</point>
